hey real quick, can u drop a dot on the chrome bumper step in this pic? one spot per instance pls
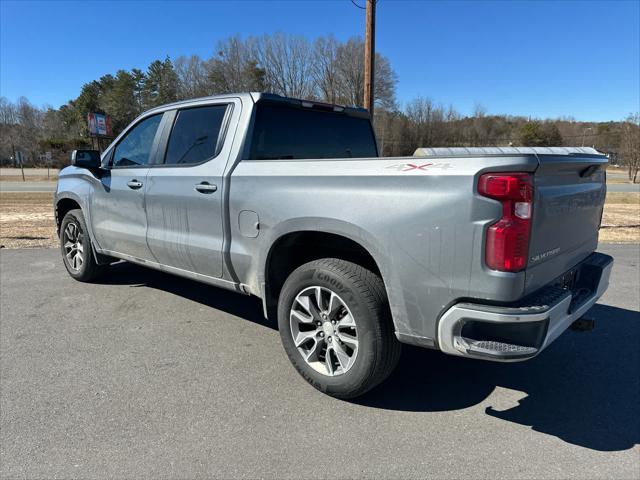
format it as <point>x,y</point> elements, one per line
<point>554,308</point>
<point>496,350</point>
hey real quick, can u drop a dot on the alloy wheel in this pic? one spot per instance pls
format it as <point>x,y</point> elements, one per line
<point>324,331</point>
<point>73,245</point>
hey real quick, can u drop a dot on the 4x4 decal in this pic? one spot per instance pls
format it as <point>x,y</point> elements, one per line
<point>407,167</point>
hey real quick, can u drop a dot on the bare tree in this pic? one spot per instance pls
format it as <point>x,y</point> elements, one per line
<point>234,68</point>
<point>192,77</point>
<point>30,120</point>
<point>630,145</point>
<point>385,84</point>
<point>9,129</point>
<point>325,68</point>
<point>350,76</point>
<point>420,112</point>
<point>287,61</point>
<point>8,112</point>
<point>350,67</point>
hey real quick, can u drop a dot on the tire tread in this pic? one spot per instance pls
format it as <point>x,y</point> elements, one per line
<point>370,288</point>
<point>92,269</point>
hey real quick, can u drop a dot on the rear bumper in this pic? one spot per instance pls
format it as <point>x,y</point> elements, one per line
<point>520,331</point>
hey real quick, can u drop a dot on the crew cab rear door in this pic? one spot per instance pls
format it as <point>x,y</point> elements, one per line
<point>184,194</point>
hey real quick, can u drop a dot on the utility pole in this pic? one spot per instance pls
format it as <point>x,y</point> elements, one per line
<point>369,55</point>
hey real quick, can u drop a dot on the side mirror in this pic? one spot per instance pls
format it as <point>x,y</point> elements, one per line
<point>89,159</point>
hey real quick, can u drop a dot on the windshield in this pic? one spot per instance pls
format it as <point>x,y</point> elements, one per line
<point>287,132</point>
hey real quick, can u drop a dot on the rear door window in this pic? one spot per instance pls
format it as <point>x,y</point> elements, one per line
<point>195,137</point>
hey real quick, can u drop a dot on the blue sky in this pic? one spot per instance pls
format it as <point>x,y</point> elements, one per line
<point>540,59</point>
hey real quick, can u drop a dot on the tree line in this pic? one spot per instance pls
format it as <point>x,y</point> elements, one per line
<point>324,69</point>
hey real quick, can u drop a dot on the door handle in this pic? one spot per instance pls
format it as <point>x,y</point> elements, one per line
<point>134,184</point>
<point>206,187</point>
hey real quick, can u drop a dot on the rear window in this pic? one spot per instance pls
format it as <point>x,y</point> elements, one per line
<point>195,135</point>
<point>282,132</point>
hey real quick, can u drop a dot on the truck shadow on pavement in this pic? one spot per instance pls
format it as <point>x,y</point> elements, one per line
<point>584,389</point>
<point>245,306</point>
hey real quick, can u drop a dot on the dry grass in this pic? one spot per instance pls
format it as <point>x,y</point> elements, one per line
<point>620,215</point>
<point>30,174</point>
<point>621,219</point>
<point>620,235</point>
<point>623,198</point>
<point>27,220</point>
<point>28,178</point>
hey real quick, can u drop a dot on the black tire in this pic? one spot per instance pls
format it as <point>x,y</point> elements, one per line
<point>88,270</point>
<point>364,295</point>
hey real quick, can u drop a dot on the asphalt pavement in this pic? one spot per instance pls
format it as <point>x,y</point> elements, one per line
<point>623,187</point>
<point>32,186</point>
<point>146,375</point>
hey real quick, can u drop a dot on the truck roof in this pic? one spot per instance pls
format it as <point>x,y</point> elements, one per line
<point>477,151</point>
<point>264,96</point>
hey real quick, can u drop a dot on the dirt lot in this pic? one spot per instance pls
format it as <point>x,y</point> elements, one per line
<point>621,219</point>
<point>26,219</point>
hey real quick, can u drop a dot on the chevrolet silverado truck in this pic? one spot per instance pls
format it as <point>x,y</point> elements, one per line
<point>486,253</point>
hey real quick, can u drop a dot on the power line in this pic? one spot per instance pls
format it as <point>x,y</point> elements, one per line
<point>364,8</point>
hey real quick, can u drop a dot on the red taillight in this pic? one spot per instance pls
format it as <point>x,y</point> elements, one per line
<point>507,242</point>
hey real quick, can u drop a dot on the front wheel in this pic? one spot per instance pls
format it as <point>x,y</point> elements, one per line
<point>336,328</point>
<point>77,251</point>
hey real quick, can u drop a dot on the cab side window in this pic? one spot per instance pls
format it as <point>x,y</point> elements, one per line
<point>135,148</point>
<point>195,135</point>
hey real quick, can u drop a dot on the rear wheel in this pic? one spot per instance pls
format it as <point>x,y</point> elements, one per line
<point>77,251</point>
<point>336,328</point>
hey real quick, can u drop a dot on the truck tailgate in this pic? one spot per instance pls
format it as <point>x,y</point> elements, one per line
<point>569,194</point>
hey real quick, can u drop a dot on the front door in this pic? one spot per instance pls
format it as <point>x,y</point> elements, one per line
<point>117,205</point>
<point>184,190</point>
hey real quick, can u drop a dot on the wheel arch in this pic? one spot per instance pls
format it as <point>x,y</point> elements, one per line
<point>63,205</point>
<point>68,201</point>
<point>295,247</point>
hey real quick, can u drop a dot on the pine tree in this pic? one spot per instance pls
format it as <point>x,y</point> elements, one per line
<point>160,84</point>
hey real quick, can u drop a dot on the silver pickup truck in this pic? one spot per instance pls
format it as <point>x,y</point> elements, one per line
<point>486,253</point>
